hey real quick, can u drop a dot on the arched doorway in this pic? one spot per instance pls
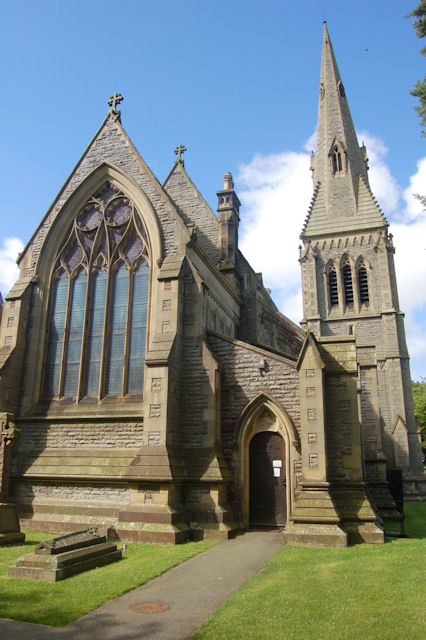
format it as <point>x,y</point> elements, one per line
<point>261,415</point>
<point>267,462</point>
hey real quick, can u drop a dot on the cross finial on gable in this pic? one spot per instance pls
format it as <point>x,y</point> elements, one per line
<point>180,149</point>
<point>114,100</point>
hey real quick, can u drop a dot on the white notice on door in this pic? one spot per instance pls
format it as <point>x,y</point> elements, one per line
<point>277,472</point>
<point>277,463</point>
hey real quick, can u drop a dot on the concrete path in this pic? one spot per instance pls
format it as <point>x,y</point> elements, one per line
<point>192,591</point>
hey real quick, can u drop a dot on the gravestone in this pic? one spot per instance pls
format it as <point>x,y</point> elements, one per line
<point>10,532</point>
<point>65,556</point>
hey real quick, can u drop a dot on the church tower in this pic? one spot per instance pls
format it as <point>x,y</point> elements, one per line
<point>349,282</point>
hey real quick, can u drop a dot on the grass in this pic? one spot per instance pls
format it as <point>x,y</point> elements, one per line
<point>357,593</point>
<point>59,603</point>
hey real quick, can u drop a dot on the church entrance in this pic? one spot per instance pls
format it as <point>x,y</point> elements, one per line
<point>267,480</point>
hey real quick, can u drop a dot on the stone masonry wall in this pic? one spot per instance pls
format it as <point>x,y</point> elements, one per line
<point>194,211</point>
<point>24,491</point>
<point>242,382</point>
<point>36,436</point>
<point>194,399</point>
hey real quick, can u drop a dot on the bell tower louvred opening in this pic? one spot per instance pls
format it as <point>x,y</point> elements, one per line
<point>347,283</point>
<point>364,296</point>
<point>332,287</point>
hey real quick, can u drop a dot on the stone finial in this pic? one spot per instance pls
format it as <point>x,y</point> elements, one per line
<point>115,100</point>
<point>179,151</point>
<point>228,183</point>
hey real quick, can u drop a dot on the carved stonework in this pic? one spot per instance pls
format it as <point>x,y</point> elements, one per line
<point>8,434</point>
<point>9,523</point>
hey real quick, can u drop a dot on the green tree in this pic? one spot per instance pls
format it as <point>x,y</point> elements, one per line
<point>419,395</point>
<point>419,91</point>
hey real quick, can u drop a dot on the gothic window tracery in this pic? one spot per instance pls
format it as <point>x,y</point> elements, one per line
<point>99,302</point>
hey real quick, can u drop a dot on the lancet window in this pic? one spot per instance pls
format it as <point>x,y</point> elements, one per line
<point>99,302</point>
<point>337,160</point>
<point>347,283</point>
<point>332,287</point>
<point>364,296</point>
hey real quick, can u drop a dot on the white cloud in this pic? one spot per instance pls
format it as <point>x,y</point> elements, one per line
<point>311,143</point>
<point>415,328</point>
<point>409,230</point>
<point>384,186</point>
<point>275,191</point>
<point>414,209</point>
<point>9,271</point>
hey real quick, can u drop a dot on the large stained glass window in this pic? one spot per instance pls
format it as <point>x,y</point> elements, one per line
<point>99,301</point>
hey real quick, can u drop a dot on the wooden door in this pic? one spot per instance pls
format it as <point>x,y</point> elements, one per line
<point>267,480</point>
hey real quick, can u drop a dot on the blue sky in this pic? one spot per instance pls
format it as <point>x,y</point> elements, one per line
<point>237,83</point>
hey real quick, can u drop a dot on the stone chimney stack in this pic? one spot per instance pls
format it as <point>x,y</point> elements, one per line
<point>228,215</point>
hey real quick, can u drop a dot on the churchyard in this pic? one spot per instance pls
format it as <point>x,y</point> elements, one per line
<point>61,602</point>
<point>363,591</point>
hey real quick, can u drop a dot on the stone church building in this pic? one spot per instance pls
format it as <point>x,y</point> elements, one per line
<point>158,391</point>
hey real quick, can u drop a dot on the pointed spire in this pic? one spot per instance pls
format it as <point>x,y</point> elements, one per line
<point>339,165</point>
<point>335,126</point>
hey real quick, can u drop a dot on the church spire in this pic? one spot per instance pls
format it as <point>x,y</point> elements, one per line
<point>338,152</point>
<point>339,165</point>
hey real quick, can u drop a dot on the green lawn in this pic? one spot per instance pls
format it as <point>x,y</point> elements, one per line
<point>59,603</point>
<point>374,592</point>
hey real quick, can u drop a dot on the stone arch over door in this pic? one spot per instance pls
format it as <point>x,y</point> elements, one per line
<point>263,414</point>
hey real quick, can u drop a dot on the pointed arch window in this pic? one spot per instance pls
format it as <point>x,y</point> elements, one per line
<point>99,302</point>
<point>337,160</point>
<point>364,295</point>
<point>332,287</point>
<point>347,283</point>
